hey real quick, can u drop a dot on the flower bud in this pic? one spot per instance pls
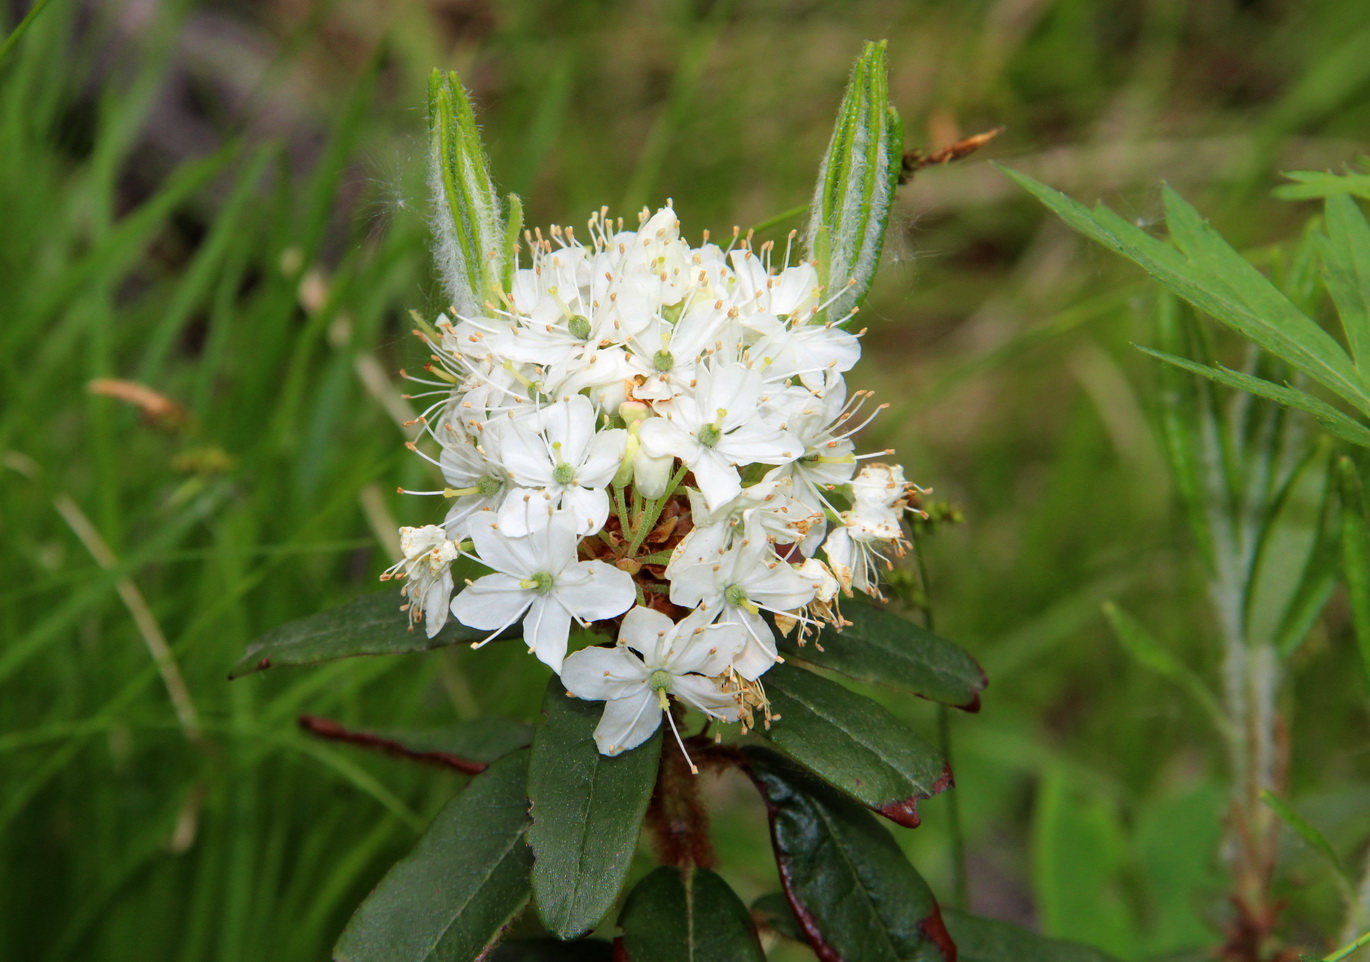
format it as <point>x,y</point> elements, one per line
<point>651,475</point>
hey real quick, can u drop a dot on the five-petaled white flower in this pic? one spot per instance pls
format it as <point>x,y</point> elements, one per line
<point>538,579</point>
<point>734,579</point>
<point>680,659</point>
<point>723,425</point>
<point>558,462</point>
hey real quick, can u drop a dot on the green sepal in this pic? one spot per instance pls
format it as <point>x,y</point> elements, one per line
<point>469,237</point>
<point>856,182</point>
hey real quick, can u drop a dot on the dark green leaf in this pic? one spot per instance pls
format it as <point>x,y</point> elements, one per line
<point>773,911</point>
<point>480,739</point>
<point>854,743</point>
<point>551,950</point>
<point>882,648</point>
<point>854,894</point>
<point>370,625</point>
<point>1355,543</point>
<point>449,899</point>
<point>979,939</point>
<point>687,915</point>
<point>587,813</point>
<point>1335,421</point>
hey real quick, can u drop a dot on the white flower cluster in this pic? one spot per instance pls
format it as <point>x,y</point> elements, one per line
<point>646,429</point>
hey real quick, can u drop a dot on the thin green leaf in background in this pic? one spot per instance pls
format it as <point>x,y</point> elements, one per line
<point>1204,269</point>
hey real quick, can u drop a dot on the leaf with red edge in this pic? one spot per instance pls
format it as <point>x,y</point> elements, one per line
<point>855,896</point>
<point>853,743</point>
<point>883,648</point>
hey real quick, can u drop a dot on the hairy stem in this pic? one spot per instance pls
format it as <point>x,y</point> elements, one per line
<point>676,819</point>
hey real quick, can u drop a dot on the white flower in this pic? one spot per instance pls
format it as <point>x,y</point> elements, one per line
<point>736,579</point>
<point>558,462</point>
<point>538,579</point>
<point>718,428</point>
<point>477,481</point>
<point>879,498</point>
<point>676,659</point>
<point>427,564</point>
<point>792,291</point>
<point>785,518</point>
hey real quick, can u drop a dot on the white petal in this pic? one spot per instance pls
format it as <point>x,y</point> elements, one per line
<point>599,674</point>
<point>595,590</point>
<point>491,602</point>
<point>717,479</point>
<point>603,457</point>
<point>661,437</point>
<point>546,629</point>
<point>704,694</point>
<point>588,508</point>
<point>627,722</point>
<point>757,658</point>
<point>524,510</point>
<point>647,631</point>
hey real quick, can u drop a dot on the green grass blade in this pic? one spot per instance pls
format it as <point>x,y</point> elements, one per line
<point>1147,650</point>
<point>1335,421</point>
<point>34,13</point>
<point>1307,831</point>
<point>1346,270</point>
<point>1355,535</point>
<point>1208,273</point>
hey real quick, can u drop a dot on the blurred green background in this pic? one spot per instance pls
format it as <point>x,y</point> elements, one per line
<point>223,203</point>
